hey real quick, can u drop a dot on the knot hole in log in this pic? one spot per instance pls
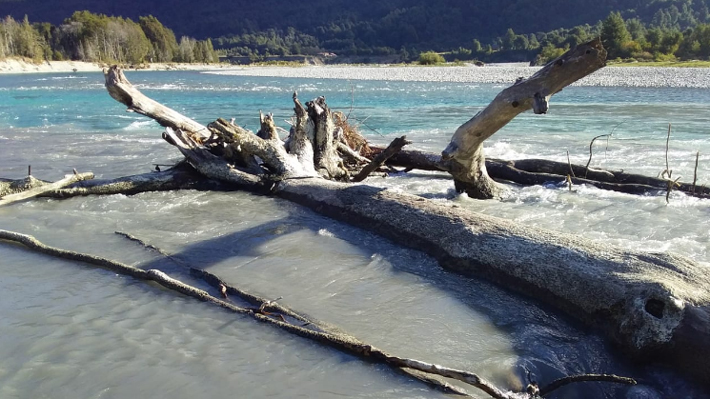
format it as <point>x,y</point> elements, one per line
<point>655,308</point>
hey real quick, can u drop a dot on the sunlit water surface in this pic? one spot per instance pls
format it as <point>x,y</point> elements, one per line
<point>71,331</point>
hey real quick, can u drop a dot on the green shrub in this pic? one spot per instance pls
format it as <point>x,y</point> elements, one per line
<point>431,58</point>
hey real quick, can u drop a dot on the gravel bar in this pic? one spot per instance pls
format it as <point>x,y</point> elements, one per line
<point>505,74</point>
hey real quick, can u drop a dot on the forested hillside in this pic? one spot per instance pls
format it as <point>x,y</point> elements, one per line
<point>520,28</point>
<point>438,25</point>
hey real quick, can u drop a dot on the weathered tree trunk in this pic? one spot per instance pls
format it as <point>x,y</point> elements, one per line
<point>326,158</point>
<point>465,151</point>
<point>650,304</point>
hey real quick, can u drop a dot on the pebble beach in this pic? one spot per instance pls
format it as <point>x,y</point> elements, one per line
<point>13,65</point>
<point>468,73</point>
<point>500,73</point>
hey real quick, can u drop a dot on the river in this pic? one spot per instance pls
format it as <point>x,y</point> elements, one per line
<point>71,331</point>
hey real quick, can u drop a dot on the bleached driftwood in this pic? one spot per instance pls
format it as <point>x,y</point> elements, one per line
<point>465,151</point>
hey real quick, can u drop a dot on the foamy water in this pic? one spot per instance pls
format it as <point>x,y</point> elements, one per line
<point>72,331</point>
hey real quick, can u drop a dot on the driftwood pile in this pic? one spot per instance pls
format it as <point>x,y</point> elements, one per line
<point>654,306</point>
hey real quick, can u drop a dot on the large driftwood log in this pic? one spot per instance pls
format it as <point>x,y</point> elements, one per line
<point>465,151</point>
<point>652,305</point>
<point>649,304</point>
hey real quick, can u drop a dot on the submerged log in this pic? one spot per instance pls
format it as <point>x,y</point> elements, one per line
<point>465,151</point>
<point>543,171</point>
<point>180,177</point>
<point>36,189</point>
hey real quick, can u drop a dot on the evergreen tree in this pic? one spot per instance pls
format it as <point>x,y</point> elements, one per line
<point>507,42</point>
<point>163,42</point>
<point>614,35</point>
<point>476,46</point>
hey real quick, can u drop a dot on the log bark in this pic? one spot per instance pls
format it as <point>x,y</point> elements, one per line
<point>14,186</point>
<point>465,151</point>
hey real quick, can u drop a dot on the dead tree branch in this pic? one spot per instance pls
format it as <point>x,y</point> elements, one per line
<point>379,160</point>
<point>124,92</point>
<point>465,151</point>
<point>591,144</point>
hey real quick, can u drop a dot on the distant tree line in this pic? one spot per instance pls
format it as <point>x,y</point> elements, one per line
<point>400,29</point>
<point>658,30</point>
<point>671,35</point>
<point>98,38</point>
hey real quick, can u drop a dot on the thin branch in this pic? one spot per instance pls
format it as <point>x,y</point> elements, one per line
<point>586,168</point>
<point>352,100</point>
<point>585,378</point>
<point>667,174</point>
<point>695,171</point>
<point>668,140</point>
<point>394,147</point>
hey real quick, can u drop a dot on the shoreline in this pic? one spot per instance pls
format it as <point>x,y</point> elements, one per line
<point>504,74</point>
<point>20,66</point>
